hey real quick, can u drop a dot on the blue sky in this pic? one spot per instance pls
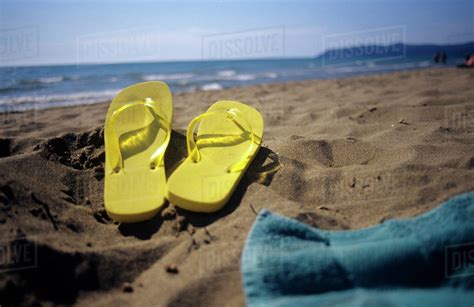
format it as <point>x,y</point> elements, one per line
<point>59,30</point>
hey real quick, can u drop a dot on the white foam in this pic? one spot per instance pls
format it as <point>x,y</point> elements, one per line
<point>61,99</point>
<point>51,79</point>
<point>243,77</point>
<point>226,73</point>
<point>271,75</point>
<point>167,76</point>
<point>231,75</point>
<point>424,64</point>
<point>211,87</point>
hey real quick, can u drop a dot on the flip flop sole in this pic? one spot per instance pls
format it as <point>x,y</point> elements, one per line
<point>207,185</point>
<point>137,191</point>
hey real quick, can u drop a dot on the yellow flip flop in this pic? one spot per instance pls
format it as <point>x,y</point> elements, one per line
<point>137,132</point>
<point>228,138</point>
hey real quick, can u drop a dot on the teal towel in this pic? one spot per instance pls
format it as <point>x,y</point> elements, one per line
<point>422,261</point>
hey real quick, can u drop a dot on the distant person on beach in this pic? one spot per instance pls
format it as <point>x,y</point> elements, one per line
<point>444,58</point>
<point>468,62</point>
<point>436,57</point>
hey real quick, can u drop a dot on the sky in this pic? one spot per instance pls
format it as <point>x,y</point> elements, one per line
<point>72,32</point>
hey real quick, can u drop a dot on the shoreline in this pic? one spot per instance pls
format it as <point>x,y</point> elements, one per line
<point>12,108</point>
<point>212,93</point>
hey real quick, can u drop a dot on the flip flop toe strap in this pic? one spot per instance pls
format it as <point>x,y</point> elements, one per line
<point>239,119</point>
<point>156,159</point>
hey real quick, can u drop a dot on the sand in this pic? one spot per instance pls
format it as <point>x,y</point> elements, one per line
<point>337,154</point>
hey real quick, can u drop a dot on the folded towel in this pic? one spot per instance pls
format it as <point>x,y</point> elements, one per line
<point>422,261</point>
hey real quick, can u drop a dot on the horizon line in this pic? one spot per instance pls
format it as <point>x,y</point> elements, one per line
<point>151,61</point>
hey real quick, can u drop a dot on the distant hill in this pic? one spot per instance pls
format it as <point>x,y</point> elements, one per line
<point>380,51</point>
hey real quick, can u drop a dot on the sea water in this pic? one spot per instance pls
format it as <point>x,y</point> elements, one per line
<point>39,87</point>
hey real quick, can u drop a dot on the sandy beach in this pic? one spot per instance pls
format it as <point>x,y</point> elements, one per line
<point>337,154</point>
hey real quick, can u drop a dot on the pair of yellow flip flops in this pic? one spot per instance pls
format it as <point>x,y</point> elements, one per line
<point>137,133</point>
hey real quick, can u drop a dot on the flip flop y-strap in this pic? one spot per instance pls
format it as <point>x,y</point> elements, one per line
<point>156,159</point>
<point>235,116</point>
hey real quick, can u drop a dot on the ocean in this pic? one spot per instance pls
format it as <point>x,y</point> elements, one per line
<point>39,87</point>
